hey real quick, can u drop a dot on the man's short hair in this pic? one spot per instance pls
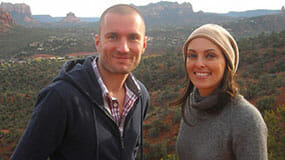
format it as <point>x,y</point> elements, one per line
<point>122,9</point>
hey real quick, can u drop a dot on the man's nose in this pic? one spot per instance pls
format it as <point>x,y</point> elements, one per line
<point>123,46</point>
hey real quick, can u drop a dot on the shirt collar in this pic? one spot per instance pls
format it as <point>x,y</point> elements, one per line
<point>129,81</point>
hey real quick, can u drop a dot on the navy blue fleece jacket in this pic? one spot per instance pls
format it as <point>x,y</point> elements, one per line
<point>69,120</point>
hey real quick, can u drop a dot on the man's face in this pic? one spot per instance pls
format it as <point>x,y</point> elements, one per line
<point>121,43</point>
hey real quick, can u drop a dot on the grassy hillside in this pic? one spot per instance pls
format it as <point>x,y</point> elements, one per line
<point>21,41</point>
<point>60,40</point>
<point>253,26</point>
<point>261,76</point>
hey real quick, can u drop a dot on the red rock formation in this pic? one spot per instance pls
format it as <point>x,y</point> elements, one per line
<point>5,21</point>
<point>21,13</point>
<point>5,18</point>
<point>70,18</point>
<point>19,8</point>
<point>163,7</point>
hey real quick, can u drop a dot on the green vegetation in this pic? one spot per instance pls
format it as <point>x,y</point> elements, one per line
<point>20,42</point>
<point>19,86</point>
<point>249,27</point>
<point>275,121</point>
<point>261,76</point>
<point>58,39</point>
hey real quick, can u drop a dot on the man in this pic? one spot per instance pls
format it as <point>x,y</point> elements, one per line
<point>94,108</point>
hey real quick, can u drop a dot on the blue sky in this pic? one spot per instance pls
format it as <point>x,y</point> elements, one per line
<point>93,8</point>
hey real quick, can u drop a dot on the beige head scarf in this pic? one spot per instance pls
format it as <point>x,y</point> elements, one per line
<point>220,37</point>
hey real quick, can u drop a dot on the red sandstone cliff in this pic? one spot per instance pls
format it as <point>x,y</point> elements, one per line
<point>21,13</point>
<point>6,21</point>
<point>70,18</point>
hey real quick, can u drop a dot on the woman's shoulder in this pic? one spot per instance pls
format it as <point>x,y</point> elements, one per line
<point>239,105</point>
<point>244,113</point>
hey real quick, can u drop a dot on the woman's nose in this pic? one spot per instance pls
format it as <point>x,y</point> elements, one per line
<point>200,62</point>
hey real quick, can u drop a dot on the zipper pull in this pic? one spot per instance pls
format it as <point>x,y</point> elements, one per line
<point>122,142</point>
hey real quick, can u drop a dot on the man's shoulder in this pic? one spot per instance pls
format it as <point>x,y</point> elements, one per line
<point>142,87</point>
<point>60,87</point>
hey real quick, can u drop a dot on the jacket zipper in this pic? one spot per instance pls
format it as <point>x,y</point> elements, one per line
<point>108,115</point>
<point>121,136</point>
<point>122,141</point>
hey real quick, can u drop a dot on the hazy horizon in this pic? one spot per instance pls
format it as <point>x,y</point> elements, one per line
<point>91,8</point>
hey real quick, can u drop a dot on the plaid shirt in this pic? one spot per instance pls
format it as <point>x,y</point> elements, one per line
<point>112,104</point>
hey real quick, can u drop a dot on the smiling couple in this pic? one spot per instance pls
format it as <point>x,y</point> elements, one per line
<point>94,109</point>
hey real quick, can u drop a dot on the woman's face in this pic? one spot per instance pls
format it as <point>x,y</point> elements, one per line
<point>205,64</point>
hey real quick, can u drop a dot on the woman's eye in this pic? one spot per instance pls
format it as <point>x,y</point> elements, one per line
<point>191,55</point>
<point>211,55</point>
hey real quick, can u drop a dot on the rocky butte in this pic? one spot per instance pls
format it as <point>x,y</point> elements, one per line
<point>165,8</point>
<point>70,18</point>
<point>6,21</point>
<point>21,13</point>
<point>173,13</point>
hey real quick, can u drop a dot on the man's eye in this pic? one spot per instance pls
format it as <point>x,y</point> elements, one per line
<point>134,37</point>
<point>112,37</point>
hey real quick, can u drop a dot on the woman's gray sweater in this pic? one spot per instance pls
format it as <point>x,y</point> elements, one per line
<point>238,132</point>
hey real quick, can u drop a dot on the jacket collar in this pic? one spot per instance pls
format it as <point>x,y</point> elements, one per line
<point>81,75</point>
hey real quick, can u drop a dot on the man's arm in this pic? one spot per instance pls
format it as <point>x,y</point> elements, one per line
<point>45,129</point>
<point>145,105</point>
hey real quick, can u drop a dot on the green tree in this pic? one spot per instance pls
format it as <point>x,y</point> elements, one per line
<point>266,103</point>
<point>157,151</point>
<point>276,133</point>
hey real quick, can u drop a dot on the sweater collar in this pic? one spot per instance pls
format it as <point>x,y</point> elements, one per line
<point>203,103</point>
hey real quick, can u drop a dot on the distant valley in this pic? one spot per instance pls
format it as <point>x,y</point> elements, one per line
<point>50,19</point>
<point>168,25</point>
<point>34,47</point>
<point>161,13</point>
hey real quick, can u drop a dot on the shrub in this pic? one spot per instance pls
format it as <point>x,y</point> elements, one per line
<point>276,133</point>
<point>265,104</point>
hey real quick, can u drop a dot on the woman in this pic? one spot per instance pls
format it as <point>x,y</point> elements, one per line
<point>218,123</point>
